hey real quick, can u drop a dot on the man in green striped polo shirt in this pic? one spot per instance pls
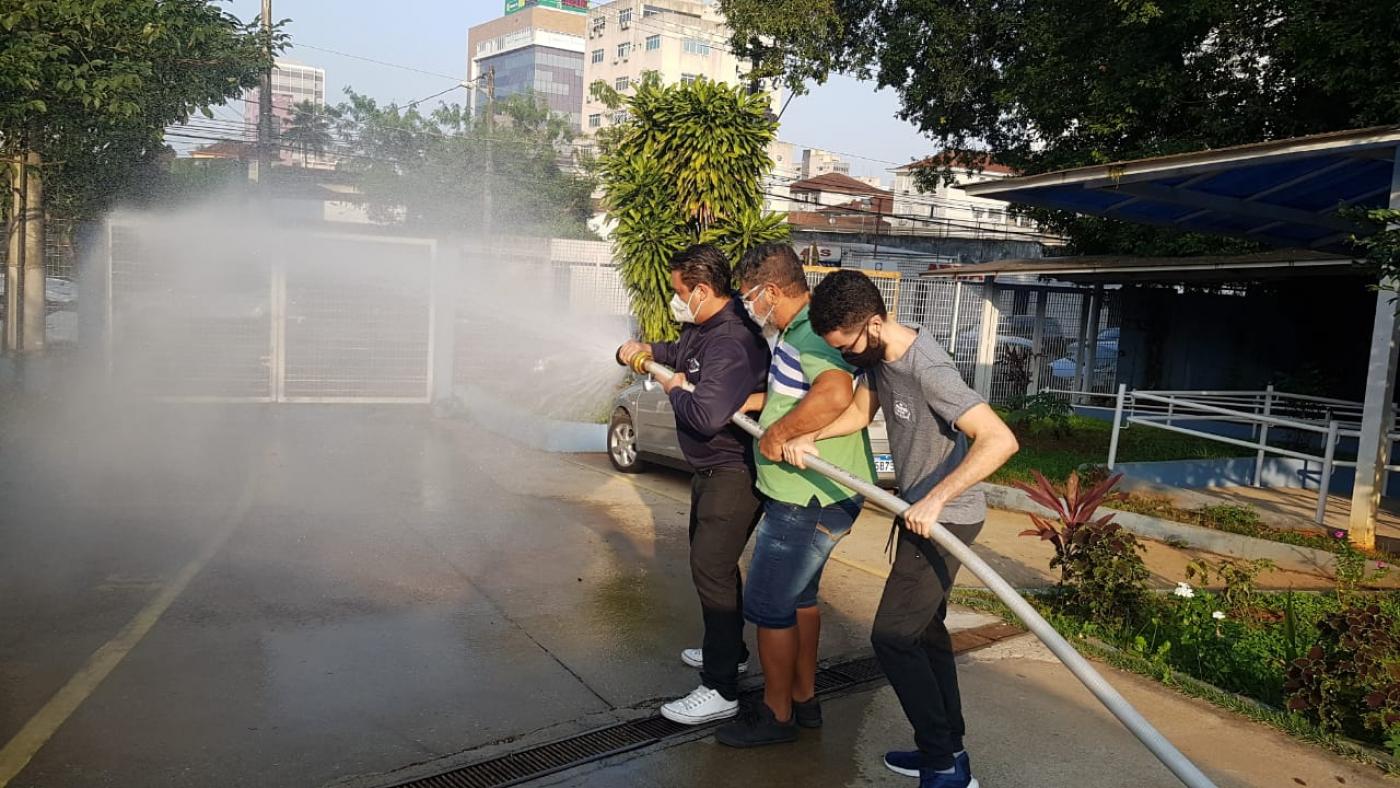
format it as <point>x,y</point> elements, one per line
<point>804,514</point>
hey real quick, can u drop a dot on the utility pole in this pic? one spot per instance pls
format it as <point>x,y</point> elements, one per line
<point>488,202</point>
<point>263,167</point>
<point>755,58</point>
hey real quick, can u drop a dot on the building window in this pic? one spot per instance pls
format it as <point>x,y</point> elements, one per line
<point>650,10</point>
<point>600,23</point>
<point>688,79</point>
<point>624,18</point>
<point>622,84</point>
<point>595,120</point>
<point>624,49</point>
<point>653,43</point>
<point>619,117</point>
<point>696,47</point>
<point>597,56</point>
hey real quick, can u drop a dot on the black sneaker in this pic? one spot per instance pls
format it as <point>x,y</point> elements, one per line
<point>808,714</point>
<point>757,727</point>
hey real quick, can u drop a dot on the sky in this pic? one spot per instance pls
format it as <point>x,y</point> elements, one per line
<point>843,116</point>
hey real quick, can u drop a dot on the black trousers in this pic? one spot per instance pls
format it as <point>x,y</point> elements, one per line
<point>724,508</point>
<point>914,647</point>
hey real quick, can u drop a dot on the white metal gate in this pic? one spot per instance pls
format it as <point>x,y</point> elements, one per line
<point>292,317</point>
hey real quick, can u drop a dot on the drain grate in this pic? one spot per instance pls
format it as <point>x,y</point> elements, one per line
<point>546,759</point>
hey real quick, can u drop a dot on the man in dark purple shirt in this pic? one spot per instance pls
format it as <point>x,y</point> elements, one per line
<point>723,354</point>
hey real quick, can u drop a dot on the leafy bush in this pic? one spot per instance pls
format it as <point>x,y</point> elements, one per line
<point>1228,517</point>
<point>1237,575</point>
<point>1040,412</point>
<point>1349,681</point>
<point>1351,570</point>
<point>1102,573</point>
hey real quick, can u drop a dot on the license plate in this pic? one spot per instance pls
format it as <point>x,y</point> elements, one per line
<point>884,463</point>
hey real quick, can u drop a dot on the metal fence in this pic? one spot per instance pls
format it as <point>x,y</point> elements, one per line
<point>369,318</point>
<point>1274,420</point>
<point>1041,339</point>
<point>306,318</point>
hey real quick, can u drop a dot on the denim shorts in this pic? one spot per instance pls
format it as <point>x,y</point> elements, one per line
<point>790,549</point>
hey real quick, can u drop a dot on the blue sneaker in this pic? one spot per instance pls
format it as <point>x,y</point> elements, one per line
<point>907,762</point>
<point>957,778</point>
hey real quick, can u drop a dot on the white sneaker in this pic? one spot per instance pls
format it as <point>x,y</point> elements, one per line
<point>695,658</point>
<point>700,706</point>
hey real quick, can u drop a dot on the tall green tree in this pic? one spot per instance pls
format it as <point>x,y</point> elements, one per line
<point>436,170</point>
<point>90,85</point>
<point>1060,83</point>
<point>309,130</point>
<point>687,166</point>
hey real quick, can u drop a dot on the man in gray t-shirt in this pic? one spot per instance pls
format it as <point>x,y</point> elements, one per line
<point>931,416</point>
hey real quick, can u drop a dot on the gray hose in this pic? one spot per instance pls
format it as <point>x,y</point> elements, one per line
<point>1166,752</point>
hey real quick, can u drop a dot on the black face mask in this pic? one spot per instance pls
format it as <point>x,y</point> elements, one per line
<point>873,354</point>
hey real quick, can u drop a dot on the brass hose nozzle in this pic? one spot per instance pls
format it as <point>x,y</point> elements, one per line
<point>639,362</point>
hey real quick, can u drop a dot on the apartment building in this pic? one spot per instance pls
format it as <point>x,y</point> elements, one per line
<point>680,40</point>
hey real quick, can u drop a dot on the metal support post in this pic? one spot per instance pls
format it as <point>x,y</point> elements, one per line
<point>1117,425</point>
<point>1263,437</point>
<point>1081,346</point>
<point>1092,348</point>
<point>957,305</point>
<point>1324,485</point>
<point>987,342</point>
<point>1372,449</point>
<point>1038,340</point>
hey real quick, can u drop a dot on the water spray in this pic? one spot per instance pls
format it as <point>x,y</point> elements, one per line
<point>1186,771</point>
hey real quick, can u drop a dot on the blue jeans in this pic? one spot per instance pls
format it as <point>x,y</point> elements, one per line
<point>791,546</point>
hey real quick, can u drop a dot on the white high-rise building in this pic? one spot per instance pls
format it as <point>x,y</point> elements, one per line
<point>292,84</point>
<point>817,162</point>
<point>680,40</point>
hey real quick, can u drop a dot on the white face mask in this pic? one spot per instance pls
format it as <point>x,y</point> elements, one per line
<point>760,321</point>
<point>680,310</point>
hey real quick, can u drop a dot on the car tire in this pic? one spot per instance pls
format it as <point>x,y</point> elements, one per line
<point>622,443</point>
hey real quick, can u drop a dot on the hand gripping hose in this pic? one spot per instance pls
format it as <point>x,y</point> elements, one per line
<point>1166,752</point>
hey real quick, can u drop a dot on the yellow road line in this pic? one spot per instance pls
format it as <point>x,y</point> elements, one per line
<point>42,726</point>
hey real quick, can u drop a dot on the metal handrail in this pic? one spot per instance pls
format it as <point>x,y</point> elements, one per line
<point>1166,407</point>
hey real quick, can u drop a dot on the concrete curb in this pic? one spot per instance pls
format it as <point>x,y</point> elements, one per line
<point>1194,536</point>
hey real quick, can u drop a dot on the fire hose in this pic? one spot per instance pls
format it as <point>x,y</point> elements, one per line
<point>1186,771</point>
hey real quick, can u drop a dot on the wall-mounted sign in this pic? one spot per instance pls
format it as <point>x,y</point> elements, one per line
<point>577,6</point>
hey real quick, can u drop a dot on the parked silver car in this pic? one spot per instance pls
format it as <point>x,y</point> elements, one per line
<point>643,430</point>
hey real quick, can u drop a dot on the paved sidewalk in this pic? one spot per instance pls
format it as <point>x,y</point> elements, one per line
<point>1030,725</point>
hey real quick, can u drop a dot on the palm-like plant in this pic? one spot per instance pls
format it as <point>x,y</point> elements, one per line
<point>686,167</point>
<point>308,130</point>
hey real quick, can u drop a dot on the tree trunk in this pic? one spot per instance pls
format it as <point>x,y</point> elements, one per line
<point>14,260</point>
<point>34,312</point>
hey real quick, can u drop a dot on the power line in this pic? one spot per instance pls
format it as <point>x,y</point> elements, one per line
<point>378,62</point>
<point>435,95</point>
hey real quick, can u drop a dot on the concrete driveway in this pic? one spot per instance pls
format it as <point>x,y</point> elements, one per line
<point>247,595</point>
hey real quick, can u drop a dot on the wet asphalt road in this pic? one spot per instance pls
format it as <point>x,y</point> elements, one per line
<point>299,595</point>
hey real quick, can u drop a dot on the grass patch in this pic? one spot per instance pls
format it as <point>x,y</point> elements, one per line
<point>1085,442</point>
<point>1263,660</point>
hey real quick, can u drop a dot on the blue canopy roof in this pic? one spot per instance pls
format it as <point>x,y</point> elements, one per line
<point>1284,193</point>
